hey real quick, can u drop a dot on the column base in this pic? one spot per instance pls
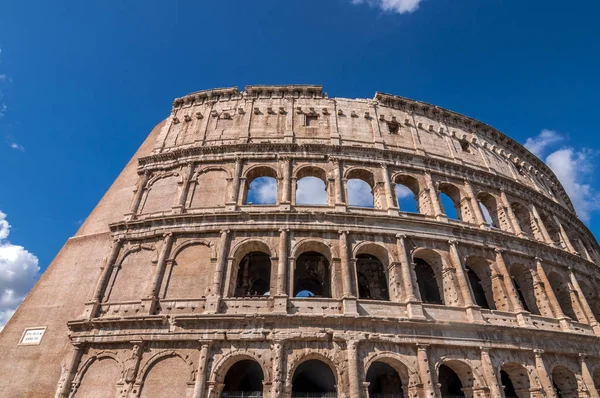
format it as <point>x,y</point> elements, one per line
<point>393,211</point>
<point>414,310</point>
<point>90,309</point>
<point>286,206</point>
<point>280,304</point>
<point>129,216</point>
<point>523,319</point>
<point>350,306</point>
<point>149,305</point>
<point>177,209</point>
<point>340,207</point>
<point>596,328</point>
<point>231,206</point>
<point>212,304</point>
<point>474,315</point>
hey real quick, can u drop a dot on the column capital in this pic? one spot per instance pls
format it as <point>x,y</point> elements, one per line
<point>538,353</point>
<point>168,235</point>
<point>538,259</point>
<point>453,242</point>
<point>401,236</point>
<point>224,231</point>
<point>383,165</point>
<point>343,232</point>
<point>499,250</point>
<point>485,350</point>
<point>422,347</point>
<point>284,230</point>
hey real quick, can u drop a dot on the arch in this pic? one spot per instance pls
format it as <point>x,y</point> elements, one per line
<point>244,378</point>
<point>312,275</point>
<point>524,218</point>
<point>360,188</point>
<point>562,291</point>
<point>222,365</point>
<point>564,382</point>
<point>161,192</point>
<point>310,171</point>
<point>265,189</point>
<point>490,209</point>
<point>480,277</point>
<point>97,375</point>
<point>253,275</point>
<point>166,376</point>
<point>514,380</point>
<point>454,194</point>
<point>407,193</point>
<point>523,282</point>
<point>384,381</point>
<point>310,244</point>
<point>312,186</point>
<point>248,245</point>
<point>313,374</point>
<point>456,377</point>
<point>210,187</point>
<point>157,357</point>
<point>552,228</point>
<point>592,296</point>
<point>192,242</point>
<point>372,264</point>
<point>396,362</point>
<point>428,271</point>
<point>191,271</point>
<point>133,274</point>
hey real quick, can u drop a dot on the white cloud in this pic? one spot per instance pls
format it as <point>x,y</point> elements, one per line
<point>263,190</point>
<point>398,6</point>
<point>311,191</point>
<point>17,147</point>
<point>3,108</point>
<point>18,273</point>
<point>359,193</point>
<point>538,144</point>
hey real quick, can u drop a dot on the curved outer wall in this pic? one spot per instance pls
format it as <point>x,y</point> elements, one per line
<point>151,297</point>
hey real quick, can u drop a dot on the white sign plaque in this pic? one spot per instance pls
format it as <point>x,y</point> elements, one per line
<point>32,336</point>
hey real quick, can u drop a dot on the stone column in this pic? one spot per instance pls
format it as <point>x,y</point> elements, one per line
<point>353,372</point>
<point>282,266</point>
<point>234,187</point>
<point>550,296</point>
<point>137,196</point>
<point>517,307</point>
<point>69,369</point>
<point>588,378</point>
<point>511,215</point>
<point>424,370</point>
<point>285,191</point>
<point>392,207</point>
<point>542,372</point>
<point>564,236</point>
<point>414,306</point>
<point>435,199</point>
<point>348,291</point>
<point>212,303</point>
<point>541,226</point>
<point>585,306</point>
<point>201,373</point>
<point>277,390</point>
<point>179,208</point>
<point>488,372</point>
<point>339,185</point>
<point>475,205</point>
<point>106,271</point>
<point>160,271</point>
<point>463,283</point>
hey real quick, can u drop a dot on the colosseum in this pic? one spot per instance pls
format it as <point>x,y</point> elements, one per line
<point>275,242</point>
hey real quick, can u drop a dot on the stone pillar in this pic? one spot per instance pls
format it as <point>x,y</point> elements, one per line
<point>159,272</point>
<point>282,266</point>
<point>414,306</point>
<point>348,291</point>
<point>353,371</point>
<point>212,303</point>
<point>488,372</point>
<point>424,370</point>
<point>392,207</point>
<point>588,378</point>
<point>285,191</point>
<point>550,296</point>
<point>463,283</point>
<point>435,199</point>
<point>585,306</point>
<point>541,226</point>
<point>106,271</point>
<point>564,236</point>
<point>475,205</point>
<point>277,390</point>
<point>201,373</point>
<point>137,196</point>
<point>339,185</point>
<point>68,371</point>
<point>184,189</point>
<point>234,187</point>
<point>511,215</point>
<point>542,372</point>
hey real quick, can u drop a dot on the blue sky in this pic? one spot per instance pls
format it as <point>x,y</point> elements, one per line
<point>83,83</point>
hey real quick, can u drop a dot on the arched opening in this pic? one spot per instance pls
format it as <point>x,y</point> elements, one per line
<point>562,292</point>
<point>450,197</point>
<point>523,217</point>
<point>592,297</point>
<point>596,377</point>
<point>261,186</point>
<point>523,282</point>
<point>313,378</point>
<point>253,275</point>
<point>428,281</point>
<point>564,382</point>
<point>243,379</point>
<point>384,381</point>
<point>312,276</point>
<point>489,207</point>
<point>100,379</point>
<point>360,188</point>
<point>407,194</point>
<point>372,279</point>
<point>515,380</point>
<point>553,229</point>
<point>450,384</point>
<point>477,288</point>
<point>311,188</point>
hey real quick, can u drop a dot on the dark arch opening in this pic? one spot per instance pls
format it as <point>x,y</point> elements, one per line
<point>563,295</point>
<point>523,218</point>
<point>450,201</point>
<point>243,379</point>
<point>564,382</point>
<point>428,285</point>
<point>384,381</point>
<point>521,296</point>
<point>509,387</point>
<point>523,281</point>
<point>312,275</point>
<point>313,378</point>
<point>450,384</point>
<point>477,288</point>
<point>254,275</point>
<point>372,281</point>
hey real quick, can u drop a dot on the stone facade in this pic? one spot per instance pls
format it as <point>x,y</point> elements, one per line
<point>178,286</point>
